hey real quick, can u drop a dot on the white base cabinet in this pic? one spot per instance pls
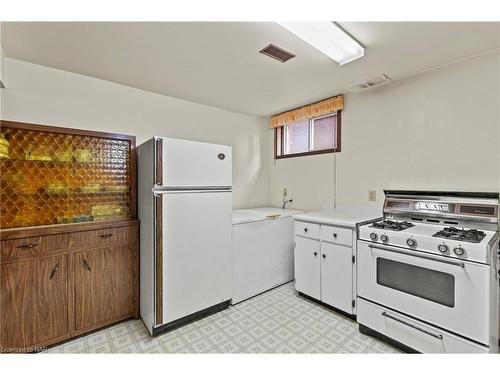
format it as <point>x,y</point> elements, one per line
<point>325,264</point>
<point>307,266</point>
<point>336,276</point>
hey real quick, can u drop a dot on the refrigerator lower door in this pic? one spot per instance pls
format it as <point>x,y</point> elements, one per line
<point>197,252</point>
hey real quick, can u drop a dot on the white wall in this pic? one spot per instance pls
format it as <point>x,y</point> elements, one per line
<point>437,131</point>
<point>2,60</point>
<point>308,179</point>
<point>42,95</point>
<point>2,67</point>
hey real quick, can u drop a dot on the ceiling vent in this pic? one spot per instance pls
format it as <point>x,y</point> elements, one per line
<point>277,53</point>
<point>380,80</point>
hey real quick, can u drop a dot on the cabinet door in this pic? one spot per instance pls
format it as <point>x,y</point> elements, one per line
<point>104,285</point>
<point>336,276</point>
<point>33,304</point>
<point>307,267</point>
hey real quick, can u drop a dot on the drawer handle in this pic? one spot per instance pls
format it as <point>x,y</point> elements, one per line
<point>439,337</point>
<point>335,235</point>
<point>305,230</point>
<point>28,246</point>
<point>106,235</point>
<point>86,265</point>
<point>412,253</point>
<point>56,268</point>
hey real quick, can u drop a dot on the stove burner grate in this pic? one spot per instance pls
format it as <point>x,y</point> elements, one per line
<point>466,235</point>
<point>392,225</point>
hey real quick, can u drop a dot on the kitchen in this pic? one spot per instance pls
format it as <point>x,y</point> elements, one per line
<point>239,220</point>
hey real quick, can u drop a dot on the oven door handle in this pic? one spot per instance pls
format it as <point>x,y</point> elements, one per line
<point>439,337</point>
<point>458,264</point>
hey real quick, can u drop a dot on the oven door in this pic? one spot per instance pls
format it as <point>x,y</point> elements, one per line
<point>449,293</point>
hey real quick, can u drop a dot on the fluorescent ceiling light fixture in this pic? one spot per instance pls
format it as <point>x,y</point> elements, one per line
<point>328,38</point>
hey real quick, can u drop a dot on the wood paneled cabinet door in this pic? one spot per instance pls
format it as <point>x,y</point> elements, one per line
<point>104,285</point>
<point>34,297</point>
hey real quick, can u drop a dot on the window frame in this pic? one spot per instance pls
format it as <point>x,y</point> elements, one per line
<point>307,153</point>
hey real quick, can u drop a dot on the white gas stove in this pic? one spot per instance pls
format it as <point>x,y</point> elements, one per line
<point>428,273</point>
<point>444,240</point>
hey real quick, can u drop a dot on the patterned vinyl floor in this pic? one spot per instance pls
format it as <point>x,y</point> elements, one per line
<point>278,321</point>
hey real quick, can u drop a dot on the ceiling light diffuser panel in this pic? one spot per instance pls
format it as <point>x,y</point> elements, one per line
<point>328,38</point>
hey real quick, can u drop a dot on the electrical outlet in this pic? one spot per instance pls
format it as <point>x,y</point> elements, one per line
<point>372,195</point>
<point>285,192</point>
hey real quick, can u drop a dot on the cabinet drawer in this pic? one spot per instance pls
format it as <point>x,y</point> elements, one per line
<point>307,229</point>
<point>412,333</point>
<point>341,236</point>
<point>28,247</point>
<point>103,237</point>
<point>112,235</point>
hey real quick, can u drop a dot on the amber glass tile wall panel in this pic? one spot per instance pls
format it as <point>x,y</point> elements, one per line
<point>52,178</point>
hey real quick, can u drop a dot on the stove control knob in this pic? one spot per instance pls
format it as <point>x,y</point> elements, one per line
<point>443,248</point>
<point>384,238</point>
<point>373,236</point>
<point>459,251</point>
<point>411,242</point>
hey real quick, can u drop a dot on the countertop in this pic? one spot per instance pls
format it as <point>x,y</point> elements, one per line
<point>250,215</point>
<point>343,215</point>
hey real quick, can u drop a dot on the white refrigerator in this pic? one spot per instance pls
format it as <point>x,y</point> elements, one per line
<point>185,204</point>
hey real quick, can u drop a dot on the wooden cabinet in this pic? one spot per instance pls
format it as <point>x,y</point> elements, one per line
<point>47,297</point>
<point>34,302</point>
<point>325,264</point>
<point>104,285</point>
<point>69,234</point>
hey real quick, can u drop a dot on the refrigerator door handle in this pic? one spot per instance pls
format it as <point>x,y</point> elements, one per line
<point>158,259</point>
<point>158,162</point>
<point>158,193</point>
<point>160,189</point>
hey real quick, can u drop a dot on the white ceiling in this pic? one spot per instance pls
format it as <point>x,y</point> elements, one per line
<point>218,63</point>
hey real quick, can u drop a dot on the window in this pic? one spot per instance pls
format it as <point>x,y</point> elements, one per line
<point>314,136</point>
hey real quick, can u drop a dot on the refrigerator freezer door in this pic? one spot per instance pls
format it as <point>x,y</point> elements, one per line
<point>195,164</point>
<point>197,252</point>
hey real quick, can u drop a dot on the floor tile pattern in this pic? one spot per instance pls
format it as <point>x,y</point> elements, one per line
<point>278,321</point>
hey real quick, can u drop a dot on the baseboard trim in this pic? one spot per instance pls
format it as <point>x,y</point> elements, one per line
<point>190,318</point>
<point>346,314</point>
<point>258,294</point>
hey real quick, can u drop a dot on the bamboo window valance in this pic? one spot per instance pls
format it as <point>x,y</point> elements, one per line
<point>317,109</point>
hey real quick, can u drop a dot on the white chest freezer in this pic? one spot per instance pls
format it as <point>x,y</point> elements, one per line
<point>262,250</point>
